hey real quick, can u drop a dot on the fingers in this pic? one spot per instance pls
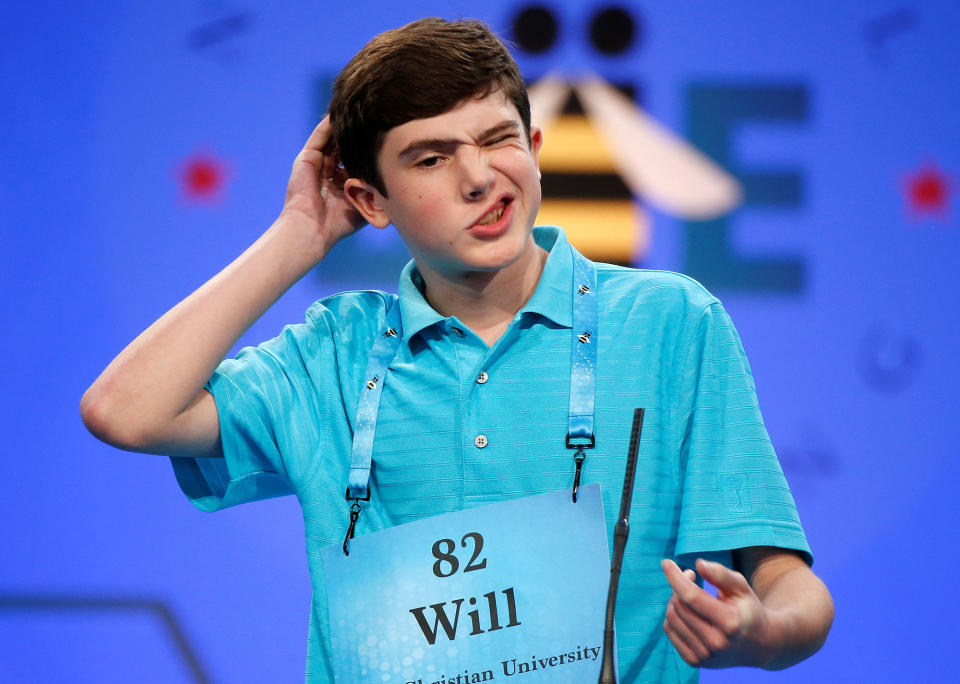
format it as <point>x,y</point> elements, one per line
<point>684,586</point>
<point>705,639</point>
<point>320,154</point>
<point>730,585</point>
<point>673,573</point>
<point>321,137</point>
<point>320,150</point>
<point>323,141</point>
<point>728,582</point>
<point>687,572</point>
<point>689,648</point>
<point>701,627</point>
<point>698,642</point>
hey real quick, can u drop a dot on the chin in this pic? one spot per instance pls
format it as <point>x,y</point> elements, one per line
<point>501,254</point>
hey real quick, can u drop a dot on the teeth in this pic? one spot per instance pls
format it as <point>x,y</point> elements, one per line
<point>492,217</point>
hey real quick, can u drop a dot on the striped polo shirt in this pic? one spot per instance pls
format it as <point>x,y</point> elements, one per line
<point>462,424</point>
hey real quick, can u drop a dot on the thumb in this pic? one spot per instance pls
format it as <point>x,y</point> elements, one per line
<point>730,582</point>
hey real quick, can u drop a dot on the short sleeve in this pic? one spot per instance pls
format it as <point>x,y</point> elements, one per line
<point>259,395</point>
<point>734,491</point>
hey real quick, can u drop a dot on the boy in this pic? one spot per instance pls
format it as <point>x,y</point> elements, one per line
<point>432,125</point>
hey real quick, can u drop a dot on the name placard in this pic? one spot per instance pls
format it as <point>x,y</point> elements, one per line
<point>512,591</point>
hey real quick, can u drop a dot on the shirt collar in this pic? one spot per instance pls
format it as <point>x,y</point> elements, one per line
<point>415,312</point>
<point>551,299</point>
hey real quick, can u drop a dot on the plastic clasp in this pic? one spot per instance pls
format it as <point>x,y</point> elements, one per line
<point>586,445</point>
<point>356,498</point>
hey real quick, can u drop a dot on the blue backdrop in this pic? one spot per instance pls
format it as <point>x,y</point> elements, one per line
<point>144,145</point>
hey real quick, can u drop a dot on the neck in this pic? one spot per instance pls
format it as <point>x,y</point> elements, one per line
<point>486,301</point>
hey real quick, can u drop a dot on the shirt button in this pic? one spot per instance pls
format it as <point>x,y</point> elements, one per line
<point>480,441</point>
<point>458,332</point>
<point>482,378</point>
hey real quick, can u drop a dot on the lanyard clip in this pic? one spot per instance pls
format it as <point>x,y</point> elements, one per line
<point>578,458</point>
<point>354,516</point>
<point>355,509</point>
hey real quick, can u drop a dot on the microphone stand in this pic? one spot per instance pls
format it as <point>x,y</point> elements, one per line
<point>620,533</point>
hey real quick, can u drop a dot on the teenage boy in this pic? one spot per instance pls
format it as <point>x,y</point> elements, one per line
<point>432,125</point>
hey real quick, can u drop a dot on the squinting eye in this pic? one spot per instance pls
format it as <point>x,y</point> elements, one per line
<point>429,161</point>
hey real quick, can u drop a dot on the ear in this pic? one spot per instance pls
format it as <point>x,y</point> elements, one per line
<point>368,201</point>
<point>536,141</point>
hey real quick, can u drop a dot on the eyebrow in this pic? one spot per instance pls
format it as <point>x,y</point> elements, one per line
<point>445,143</point>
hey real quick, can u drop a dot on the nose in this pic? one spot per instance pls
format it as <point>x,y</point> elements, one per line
<point>477,176</point>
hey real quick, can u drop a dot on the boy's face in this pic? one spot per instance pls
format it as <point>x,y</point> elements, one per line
<point>463,187</point>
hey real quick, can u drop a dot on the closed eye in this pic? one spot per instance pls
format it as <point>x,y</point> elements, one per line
<point>500,139</point>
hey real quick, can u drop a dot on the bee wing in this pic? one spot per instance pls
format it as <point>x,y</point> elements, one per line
<point>657,165</point>
<point>547,97</point>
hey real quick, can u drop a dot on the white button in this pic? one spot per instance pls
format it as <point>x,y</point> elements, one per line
<point>480,441</point>
<point>458,332</point>
<point>482,378</point>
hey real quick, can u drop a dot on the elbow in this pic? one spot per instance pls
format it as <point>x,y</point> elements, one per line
<point>105,419</point>
<point>823,613</point>
<point>93,414</point>
<point>826,618</point>
<point>809,626</point>
<point>98,416</point>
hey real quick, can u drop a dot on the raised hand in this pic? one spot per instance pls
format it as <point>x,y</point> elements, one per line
<point>151,397</point>
<point>315,189</point>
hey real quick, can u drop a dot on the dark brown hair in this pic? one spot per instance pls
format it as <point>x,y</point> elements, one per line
<point>417,71</point>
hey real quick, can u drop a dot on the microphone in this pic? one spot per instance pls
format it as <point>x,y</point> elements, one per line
<point>620,533</point>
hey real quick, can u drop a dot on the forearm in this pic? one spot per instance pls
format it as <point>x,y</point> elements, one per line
<point>136,402</point>
<point>801,610</point>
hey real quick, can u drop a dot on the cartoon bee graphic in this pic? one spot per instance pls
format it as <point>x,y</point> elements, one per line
<point>606,160</point>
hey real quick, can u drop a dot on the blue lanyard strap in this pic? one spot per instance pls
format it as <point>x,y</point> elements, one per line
<point>583,363</point>
<point>583,354</point>
<point>384,349</point>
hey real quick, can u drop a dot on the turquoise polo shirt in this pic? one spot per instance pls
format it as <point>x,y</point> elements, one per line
<point>462,424</point>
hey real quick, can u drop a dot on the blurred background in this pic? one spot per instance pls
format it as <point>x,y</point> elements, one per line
<point>801,159</point>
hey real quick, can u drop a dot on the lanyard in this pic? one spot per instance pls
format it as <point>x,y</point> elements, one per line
<point>583,362</point>
<point>384,349</point>
<point>583,365</point>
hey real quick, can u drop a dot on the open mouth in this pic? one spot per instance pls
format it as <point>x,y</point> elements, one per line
<point>494,214</point>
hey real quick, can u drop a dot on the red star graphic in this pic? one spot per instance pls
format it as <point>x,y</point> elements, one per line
<point>203,177</point>
<point>928,191</point>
